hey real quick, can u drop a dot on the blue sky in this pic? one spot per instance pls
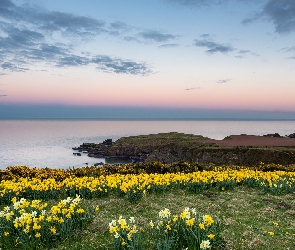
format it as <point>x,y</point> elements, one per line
<point>147,58</point>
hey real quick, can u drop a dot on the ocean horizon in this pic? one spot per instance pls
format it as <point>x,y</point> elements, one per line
<point>145,119</point>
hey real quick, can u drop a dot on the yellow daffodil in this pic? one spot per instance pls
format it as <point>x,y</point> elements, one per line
<point>211,236</point>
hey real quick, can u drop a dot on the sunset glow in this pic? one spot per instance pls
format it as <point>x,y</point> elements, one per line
<point>202,55</point>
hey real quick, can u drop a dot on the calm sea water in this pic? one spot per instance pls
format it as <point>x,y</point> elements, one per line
<point>48,143</point>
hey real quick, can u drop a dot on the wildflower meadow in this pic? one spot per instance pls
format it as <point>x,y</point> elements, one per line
<point>136,208</point>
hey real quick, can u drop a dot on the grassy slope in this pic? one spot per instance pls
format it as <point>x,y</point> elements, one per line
<point>246,215</point>
<point>160,139</point>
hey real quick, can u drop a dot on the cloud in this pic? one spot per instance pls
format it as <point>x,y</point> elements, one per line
<point>13,67</point>
<point>156,36</point>
<point>3,95</point>
<point>194,88</point>
<point>288,49</point>
<point>223,81</point>
<point>253,18</point>
<point>19,39</point>
<point>50,21</point>
<point>280,12</point>
<point>118,25</point>
<point>73,60</point>
<point>169,45</point>
<point>116,65</point>
<point>206,36</point>
<point>243,52</point>
<point>69,23</point>
<point>195,2</point>
<point>106,64</point>
<point>151,36</point>
<point>30,35</point>
<point>213,47</point>
<point>131,39</point>
<point>51,51</point>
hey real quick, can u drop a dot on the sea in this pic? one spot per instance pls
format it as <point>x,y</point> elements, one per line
<point>49,143</point>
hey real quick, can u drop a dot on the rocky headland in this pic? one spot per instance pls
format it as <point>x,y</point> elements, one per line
<point>171,147</point>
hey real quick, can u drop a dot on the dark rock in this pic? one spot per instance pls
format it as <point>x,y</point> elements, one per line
<point>107,142</point>
<point>98,164</point>
<point>273,135</point>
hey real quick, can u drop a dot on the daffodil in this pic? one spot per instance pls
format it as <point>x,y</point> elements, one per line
<point>132,220</point>
<point>151,224</point>
<point>205,244</point>
<point>211,236</point>
<point>190,222</point>
<point>52,230</point>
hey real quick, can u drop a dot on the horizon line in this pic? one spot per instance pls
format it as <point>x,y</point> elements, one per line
<point>145,119</point>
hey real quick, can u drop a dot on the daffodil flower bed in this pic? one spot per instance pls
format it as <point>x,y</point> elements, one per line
<point>126,234</point>
<point>188,230</point>
<point>135,186</point>
<point>16,172</point>
<point>26,222</point>
<point>34,225</point>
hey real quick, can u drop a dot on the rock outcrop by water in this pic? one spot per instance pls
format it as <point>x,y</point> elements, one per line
<point>171,147</point>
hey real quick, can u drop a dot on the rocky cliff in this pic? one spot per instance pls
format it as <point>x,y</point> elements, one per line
<point>171,147</point>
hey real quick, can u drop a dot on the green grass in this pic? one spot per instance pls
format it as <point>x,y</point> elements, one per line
<point>246,216</point>
<point>156,140</point>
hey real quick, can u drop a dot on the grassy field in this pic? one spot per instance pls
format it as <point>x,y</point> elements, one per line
<point>248,218</point>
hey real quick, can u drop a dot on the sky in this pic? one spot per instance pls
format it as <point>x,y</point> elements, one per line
<point>147,59</point>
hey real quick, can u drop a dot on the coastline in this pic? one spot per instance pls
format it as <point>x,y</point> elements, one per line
<point>174,147</point>
<point>47,143</point>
